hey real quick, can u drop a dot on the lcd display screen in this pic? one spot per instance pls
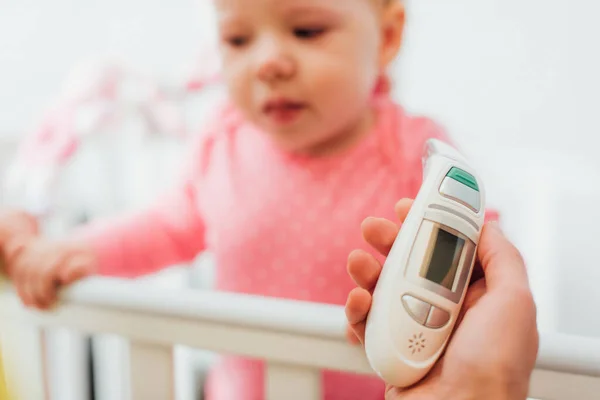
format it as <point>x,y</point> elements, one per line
<point>444,260</point>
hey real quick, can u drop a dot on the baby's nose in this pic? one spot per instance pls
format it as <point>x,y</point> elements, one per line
<point>275,63</point>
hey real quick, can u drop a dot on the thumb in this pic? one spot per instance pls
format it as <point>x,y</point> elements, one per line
<point>502,263</point>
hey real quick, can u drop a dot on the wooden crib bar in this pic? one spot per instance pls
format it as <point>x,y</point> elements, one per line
<point>296,339</point>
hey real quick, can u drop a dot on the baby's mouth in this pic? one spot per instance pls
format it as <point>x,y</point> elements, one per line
<point>283,111</point>
<point>283,105</point>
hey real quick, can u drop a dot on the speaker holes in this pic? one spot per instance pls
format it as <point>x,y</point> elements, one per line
<point>417,343</point>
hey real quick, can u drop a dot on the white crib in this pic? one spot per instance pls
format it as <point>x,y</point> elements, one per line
<point>296,339</point>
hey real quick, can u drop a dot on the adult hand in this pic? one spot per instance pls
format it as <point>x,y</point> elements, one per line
<point>494,347</point>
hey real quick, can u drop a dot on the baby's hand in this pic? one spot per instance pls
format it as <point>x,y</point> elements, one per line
<point>16,228</point>
<point>14,222</point>
<point>43,267</point>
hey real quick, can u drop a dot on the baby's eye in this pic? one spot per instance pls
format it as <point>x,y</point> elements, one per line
<point>237,41</point>
<point>309,33</point>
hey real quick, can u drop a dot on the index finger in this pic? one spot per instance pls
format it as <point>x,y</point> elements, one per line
<point>501,261</point>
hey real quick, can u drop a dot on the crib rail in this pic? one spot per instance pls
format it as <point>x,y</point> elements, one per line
<point>296,339</point>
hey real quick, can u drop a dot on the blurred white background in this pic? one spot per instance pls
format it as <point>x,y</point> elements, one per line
<point>41,41</point>
<point>514,81</point>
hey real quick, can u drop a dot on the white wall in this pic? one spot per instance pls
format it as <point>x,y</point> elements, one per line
<point>519,73</point>
<point>41,40</point>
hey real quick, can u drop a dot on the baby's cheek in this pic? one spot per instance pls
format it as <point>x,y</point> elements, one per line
<point>340,85</point>
<point>238,86</point>
<point>349,100</point>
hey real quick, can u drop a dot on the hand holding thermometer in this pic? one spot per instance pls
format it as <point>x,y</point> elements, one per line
<point>425,277</point>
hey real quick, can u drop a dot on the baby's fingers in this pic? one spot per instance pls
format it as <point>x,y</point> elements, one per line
<point>45,291</point>
<point>43,280</point>
<point>357,309</point>
<point>46,286</point>
<point>77,268</point>
<point>21,281</point>
<point>12,250</point>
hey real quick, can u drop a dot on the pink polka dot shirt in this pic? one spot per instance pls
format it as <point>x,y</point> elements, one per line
<point>277,224</point>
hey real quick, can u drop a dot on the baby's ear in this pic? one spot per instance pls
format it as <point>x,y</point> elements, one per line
<point>392,31</point>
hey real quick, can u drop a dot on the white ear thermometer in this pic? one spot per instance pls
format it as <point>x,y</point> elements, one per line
<point>424,280</point>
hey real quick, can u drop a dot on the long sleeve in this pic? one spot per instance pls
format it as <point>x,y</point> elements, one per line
<point>170,232</point>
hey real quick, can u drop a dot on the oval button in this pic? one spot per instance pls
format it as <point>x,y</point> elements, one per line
<point>437,318</point>
<point>417,309</point>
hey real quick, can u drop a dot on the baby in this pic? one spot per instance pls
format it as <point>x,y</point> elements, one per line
<point>308,145</point>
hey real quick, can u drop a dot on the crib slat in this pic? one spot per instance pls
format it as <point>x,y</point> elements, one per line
<point>67,360</point>
<point>292,382</point>
<point>151,371</point>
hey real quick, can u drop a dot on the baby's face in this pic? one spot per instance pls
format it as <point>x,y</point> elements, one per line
<point>302,70</point>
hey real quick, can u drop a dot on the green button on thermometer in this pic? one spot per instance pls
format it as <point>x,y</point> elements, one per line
<point>423,282</point>
<point>463,177</point>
